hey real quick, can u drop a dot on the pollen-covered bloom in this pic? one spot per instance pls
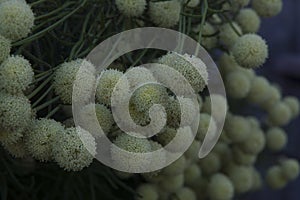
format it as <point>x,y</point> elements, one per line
<point>5,46</point>
<point>131,8</point>
<point>250,51</point>
<point>16,19</point>
<point>16,75</point>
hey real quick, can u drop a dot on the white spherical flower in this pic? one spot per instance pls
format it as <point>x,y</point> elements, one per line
<point>229,34</point>
<point>241,177</point>
<point>290,168</point>
<point>191,174</point>
<point>276,139</point>
<point>294,104</point>
<point>16,19</point>
<point>275,178</point>
<point>16,75</point>
<point>280,115</point>
<point>267,8</point>
<point>184,193</point>
<point>248,20</point>
<point>139,75</point>
<point>106,84</point>
<point>5,46</point>
<point>65,76</point>
<point>208,40</point>
<point>70,152</point>
<point>165,13</point>
<point>131,8</point>
<point>147,192</point>
<point>39,137</point>
<point>237,84</point>
<point>237,128</point>
<point>126,143</point>
<point>259,91</point>
<point>255,142</point>
<point>191,67</point>
<point>172,183</point>
<point>17,150</point>
<point>250,51</point>
<point>211,163</point>
<point>16,115</point>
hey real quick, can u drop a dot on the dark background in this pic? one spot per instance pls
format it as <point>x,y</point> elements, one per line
<point>283,68</point>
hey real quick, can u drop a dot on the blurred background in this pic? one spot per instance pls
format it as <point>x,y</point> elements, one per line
<point>283,36</point>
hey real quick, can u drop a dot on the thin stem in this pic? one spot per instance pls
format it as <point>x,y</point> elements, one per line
<point>54,11</point>
<point>38,89</point>
<point>41,33</point>
<point>46,104</point>
<point>205,8</point>
<point>42,97</point>
<point>37,2</point>
<point>55,110</point>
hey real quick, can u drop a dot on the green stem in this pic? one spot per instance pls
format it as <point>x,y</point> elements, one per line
<point>37,3</point>
<point>55,110</point>
<point>205,8</point>
<point>42,97</point>
<point>41,33</point>
<point>38,89</point>
<point>54,11</point>
<point>46,104</point>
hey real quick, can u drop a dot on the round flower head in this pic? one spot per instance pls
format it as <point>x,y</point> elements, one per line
<point>229,35</point>
<point>139,75</point>
<point>273,97</point>
<point>177,167</point>
<point>248,20</point>
<point>255,142</point>
<point>280,115</point>
<point>207,40</point>
<point>267,8</point>
<point>275,178</point>
<point>237,128</point>
<point>65,76</point>
<point>16,75</point>
<point>16,19</point>
<point>210,164</point>
<point>107,82</point>
<point>172,183</point>
<point>241,177</point>
<point>293,104</point>
<point>191,174</point>
<point>103,114</point>
<point>290,168</point>
<point>16,115</point>
<point>5,47</point>
<point>259,91</point>
<point>131,8</point>
<point>243,158</point>
<point>237,84</point>
<point>250,51</point>
<point>17,150</point>
<point>165,13</point>
<point>224,152</point>
<point>227,64</point>
<point>39,138</point>
<point>192,68</point>
<point>276,139</point>
<point>70,152</point>
<point>220,187</point>
<point>147,192</point>
<point>184,193</point>
<point>128,143</point>
<point>148,95</point>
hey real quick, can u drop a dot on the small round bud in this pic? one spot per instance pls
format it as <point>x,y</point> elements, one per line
<point>248,19</point>
<point>220,187</point>
<point>243,158</point>
<point>293,104</point>
<point>184,194</point>
<point>229,35</point>
<point>280,115</point>
<point>211,163</point>
<point>276,139</point>
<point>177,167</point>
<point>275,178</point>
<point>172,183</point>
<point>290,168</point>
<point>191,174</point>
<point>254,143</point>
<point>237,128</point>
<point>165,13</point>
<point>259,91</point>
<point>241,177</point>
<point>147,192</point>
<point>274,96</point>
<point>267,8</point>
<point>17,150</point>
<point>204,123</point>
<point>237,84</point>
<point>208,40</point>
<point>131,8</point>
<point>250,51</point>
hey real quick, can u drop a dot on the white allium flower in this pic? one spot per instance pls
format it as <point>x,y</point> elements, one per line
<point>16,115</point>
<point>16,75</point>
<point>5,46</point>
<point>275,177</point>
<point>70,152</point>
<point>267,8</point>
<point>65,76</point>
<point>131,8</point>
<point>220,187</point>
<point>16,19</point>
<point>165,13</point>
<point>250,51</point>
<point>237,84</point>
<point>210,164</point>
<point>139,75</point>
<point>276,139</point>
<point>241,177</point>
<point>39,138</point>
<point>17,150</point>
